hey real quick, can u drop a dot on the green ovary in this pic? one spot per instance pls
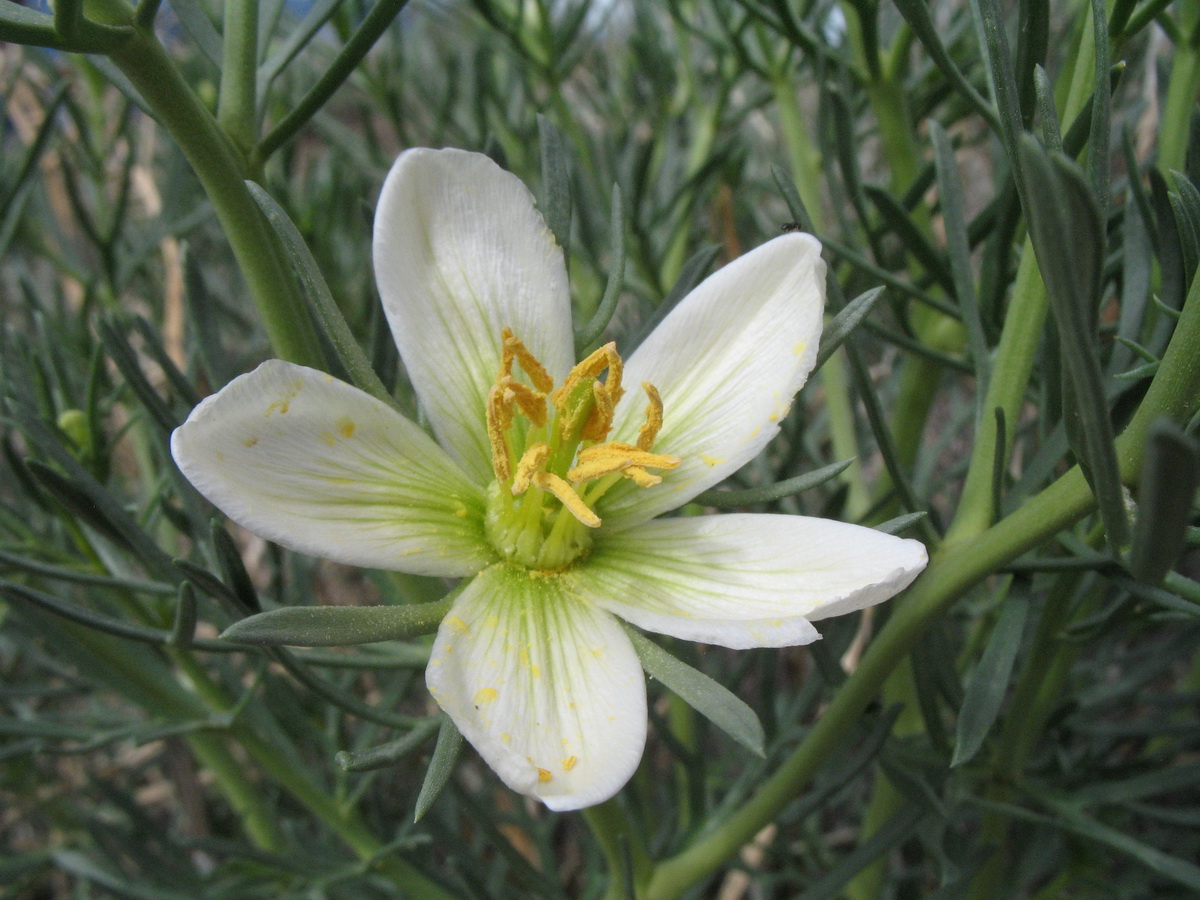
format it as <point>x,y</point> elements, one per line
<point>532,532</point>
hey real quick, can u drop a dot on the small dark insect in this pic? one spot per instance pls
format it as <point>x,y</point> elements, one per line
<point>789,227</point>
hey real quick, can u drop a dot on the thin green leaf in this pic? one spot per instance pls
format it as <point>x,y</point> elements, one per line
<point>901,524</point>
<point>337,626</point>
<point>183,629</point>
<point>1170,477</point>
<point>587,338</point>
<point>555,199</point>
<point>1101,120</point>
<point>390,753</point>
<point>988,683</point>
<point>326,311</point>
<point>916,14</point>
<point>911,236</point>
<point>200,29</point>
<point>441,767</point>
<point>958,248</point>
<point>233,569</point>
<point>713,701</point>
<point>692,274</point>
<point>769,493</point>
<point>316,17</point>
<point>377,19</point>
<point>844,323</point>
<point>1068,238</point>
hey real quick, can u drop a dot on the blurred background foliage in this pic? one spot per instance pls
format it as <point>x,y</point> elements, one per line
<point>1026,726</point>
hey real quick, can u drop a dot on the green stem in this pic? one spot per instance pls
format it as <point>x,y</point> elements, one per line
<point>272,285</point>
<point>804,156</point>
<point>1184,83</point>
<point>1023,328</point>
<point>619,842</point>
<point>1174,392</point>
<point>237,103</point>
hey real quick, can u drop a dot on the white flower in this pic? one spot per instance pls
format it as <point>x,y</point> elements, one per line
<point>545,479</point>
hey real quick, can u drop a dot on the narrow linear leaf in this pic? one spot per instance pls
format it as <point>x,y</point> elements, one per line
<point>791,197</point>
<point>337,626</point>
<point>988,683</point>
<point>692,274</point>
<point>713,701</point>
<point>958,248</point>
<point>200,29</point>
<point>1170,477</point>
<point>911,236</point>
<point>916,14</point>
<point>441,767</point>
<point>769,493</point>
<point>901,524</point>
<point>1060,205</point>
<point>233,569</point>
<point>183,629</point>
<point>327,313</point>
<point>589,336</point>
<point>844,323</point>
<point>555,201</point>
<point>1178,870</point>
<point>390,753</point>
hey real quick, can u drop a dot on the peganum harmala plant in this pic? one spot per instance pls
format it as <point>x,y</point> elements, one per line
<point>1005,199</point>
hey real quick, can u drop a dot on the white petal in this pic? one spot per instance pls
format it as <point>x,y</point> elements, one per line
<point>727,361</point>
<point>744,580</point>
<point>545,686</point>
<point>318,466</point>
<point>461,253</point>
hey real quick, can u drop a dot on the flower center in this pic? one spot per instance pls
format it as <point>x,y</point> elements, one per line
<point>551,456</point>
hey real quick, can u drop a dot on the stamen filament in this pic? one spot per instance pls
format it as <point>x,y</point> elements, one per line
<point>567,497</point>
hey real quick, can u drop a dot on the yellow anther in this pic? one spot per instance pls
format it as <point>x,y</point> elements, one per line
<point>514,349</point>
<point>598,467</point>
<point>600,419</point>
<point>499,418</point>
<point>641,477</point>
<point>531,403</point>
<point>654,417</point>
<point>591,367</point>
<point>566,495</point>
<point>531,460</point>
<point>635,455</point>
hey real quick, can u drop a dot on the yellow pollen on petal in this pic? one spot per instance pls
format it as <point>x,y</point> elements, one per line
<point>569,763</point>
<point>566,495</point>
<point>544,776</point>
<point>531,460</point>
<point>346,427</point>
<point>457,625</point>
<point>654,418</point>
<point>486,695</point>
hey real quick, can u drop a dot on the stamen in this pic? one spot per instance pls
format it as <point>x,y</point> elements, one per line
<point>635,455</point>
<point>566,495</point>
<point>499,418</point>
<point>530,461</point>
<point>514,348</point>
<point>599,422</point>
<point>654,417</point>
<point>641,477</point>
<point>596,362</point>
<point>532,403</point>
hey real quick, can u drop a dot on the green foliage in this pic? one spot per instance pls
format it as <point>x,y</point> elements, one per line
<point>195,194</point>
